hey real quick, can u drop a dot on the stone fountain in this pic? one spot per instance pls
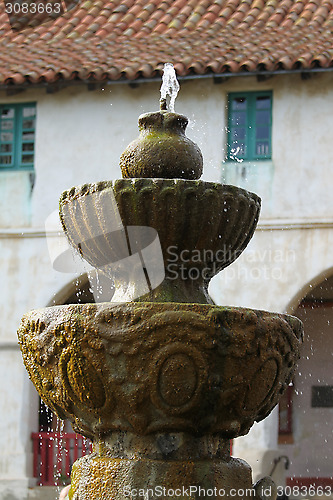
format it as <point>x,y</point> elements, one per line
<point>161,378</point>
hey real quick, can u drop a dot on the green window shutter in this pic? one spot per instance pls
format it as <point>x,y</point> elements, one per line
<point>7,136</point>
<point>249,126</point>
<point>17,136</point>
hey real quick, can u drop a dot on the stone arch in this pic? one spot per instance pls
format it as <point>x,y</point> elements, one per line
<point>69,290</point>
<point>306,288</point>
<point>84,289</point>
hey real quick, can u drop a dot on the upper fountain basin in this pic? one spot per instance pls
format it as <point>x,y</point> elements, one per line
<point>198,223</point>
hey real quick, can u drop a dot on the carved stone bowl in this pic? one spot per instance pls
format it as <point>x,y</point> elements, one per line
<point>149,368</point>
<point>202,227</point>
<point>162,149</point>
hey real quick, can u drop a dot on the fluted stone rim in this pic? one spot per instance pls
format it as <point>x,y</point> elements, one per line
<point>192,215</point>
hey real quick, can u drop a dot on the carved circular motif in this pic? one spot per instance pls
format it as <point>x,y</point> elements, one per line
<point>177,379</point>
<point>178,373</point>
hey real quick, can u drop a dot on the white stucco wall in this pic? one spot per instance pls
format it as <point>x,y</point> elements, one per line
<point>275,266</point>
<point>80,136</point>
<point>18,420</point>
<point>27,282</point>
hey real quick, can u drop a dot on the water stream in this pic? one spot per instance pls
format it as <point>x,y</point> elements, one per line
<point>170,86</point>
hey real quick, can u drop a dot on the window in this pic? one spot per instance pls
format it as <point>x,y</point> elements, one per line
<point>322,396</point>
<point>17,136</point>
<point>249,126</point>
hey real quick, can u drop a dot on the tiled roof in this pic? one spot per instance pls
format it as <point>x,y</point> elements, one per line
<point>100,40</point>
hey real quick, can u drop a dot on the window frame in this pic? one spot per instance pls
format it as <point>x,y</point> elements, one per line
<point>286,406</point>
<point>17,153</point>
<point>250,126</point>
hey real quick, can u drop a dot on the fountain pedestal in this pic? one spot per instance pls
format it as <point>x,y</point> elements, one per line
<point>161,383</point>
<point>171,465</point>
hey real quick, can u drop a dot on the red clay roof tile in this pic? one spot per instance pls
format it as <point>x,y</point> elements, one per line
<point>136,25</point>
<point>160,28</point>
<point>210,16</point>
<point>128,39</point>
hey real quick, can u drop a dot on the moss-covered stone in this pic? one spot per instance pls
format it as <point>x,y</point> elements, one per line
<point>162,150</point>
<point>159,367</point>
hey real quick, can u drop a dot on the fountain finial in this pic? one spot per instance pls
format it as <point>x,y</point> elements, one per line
<point>162,150</point>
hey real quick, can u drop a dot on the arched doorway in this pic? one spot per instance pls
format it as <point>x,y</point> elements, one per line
<point>306,411</point>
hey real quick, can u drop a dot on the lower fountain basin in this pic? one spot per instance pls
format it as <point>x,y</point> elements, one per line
<point>160,367</point>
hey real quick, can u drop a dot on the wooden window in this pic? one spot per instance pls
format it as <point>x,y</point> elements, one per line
<point>322,396</point>
<point>17,136</point>
<point>249,126</point>
<point>54,454</point>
